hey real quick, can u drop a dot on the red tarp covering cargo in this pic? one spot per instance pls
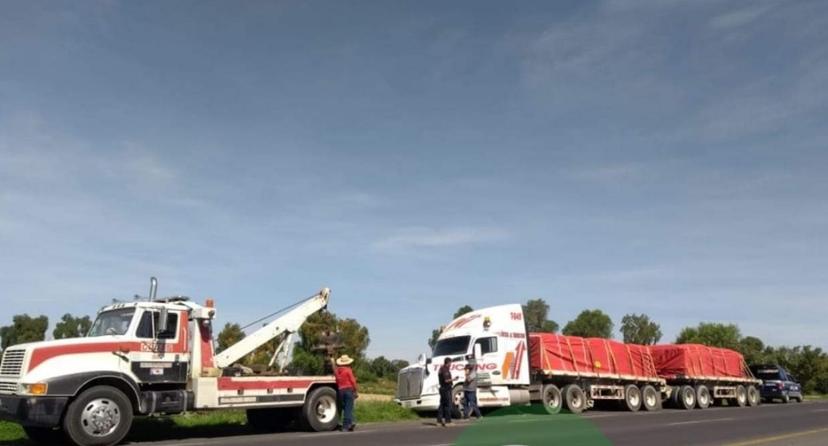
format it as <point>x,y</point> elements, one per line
<point>560,354</point>
<point>696,361</point>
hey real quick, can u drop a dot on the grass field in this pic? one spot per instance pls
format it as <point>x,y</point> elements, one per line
<point>214,424</point>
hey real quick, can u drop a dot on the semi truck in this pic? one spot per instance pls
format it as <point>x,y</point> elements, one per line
<point>156,356</point>
<point>516,367</point>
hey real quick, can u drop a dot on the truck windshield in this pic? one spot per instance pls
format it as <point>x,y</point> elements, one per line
<point>452,346</point>
<point>115,322</point>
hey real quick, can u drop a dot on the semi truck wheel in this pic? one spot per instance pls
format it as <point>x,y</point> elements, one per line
<point>650,398</point>
<point>741,396</point>
<point>43,435</point>
<point>703,400</point>
<point>552,398</point>
<point>675,397</point>
<point>687,398</point>
<point>574,398</point>
<point>320,412</point>
<point>753,396</point>
<point>99,416</point>
<point>632,398</point>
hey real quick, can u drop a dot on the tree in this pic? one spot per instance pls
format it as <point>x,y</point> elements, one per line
<point>229,335</point>
<point>432,341</point>
<point>323,335</point>
<point>753,349</point>
<point>71,327</point>
<point>534,313</point>
<point>398,365</point>
<point>590,324</point>
<point>711,334</point>
<point>24,328</point>
<point>639,329</point>
<point>382,367</point>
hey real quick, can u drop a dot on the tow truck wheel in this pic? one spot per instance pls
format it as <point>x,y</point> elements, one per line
<point>43,435</point>
<point>703,400</point>
<point>574,398</point>
<point>320,412</point>
<point>741,396</point>
<point>650,399</point>
<point>753,396</point>
<point>99,416</point>
<point>552,399</point>
<point>632,398</point>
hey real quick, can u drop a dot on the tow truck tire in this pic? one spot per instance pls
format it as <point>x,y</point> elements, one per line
<point>43,435</point>
<point>320,412</point>
<point>99,416</point>
<point>650,399</point>
<point>632,398</point>
<point>741,396</point>
<point>687,398</point>
<point>574,398</point>
<point>753,396</point>
<point>703,399</point>
<point>552,398</point>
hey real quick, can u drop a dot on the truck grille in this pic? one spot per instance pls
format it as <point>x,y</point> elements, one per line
<point>7,387</point>
<point>12,362</point>
<point>410,383</point>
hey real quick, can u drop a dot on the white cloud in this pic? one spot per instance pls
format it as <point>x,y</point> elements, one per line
<point>422,237</point>
<point>740,17</point>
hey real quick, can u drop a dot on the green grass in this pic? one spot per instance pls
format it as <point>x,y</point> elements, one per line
<point>378,387</point>
<point>215,424</point>
<point>816,396</point>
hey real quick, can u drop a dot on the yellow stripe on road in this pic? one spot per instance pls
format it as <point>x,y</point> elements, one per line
<point>765,440</point>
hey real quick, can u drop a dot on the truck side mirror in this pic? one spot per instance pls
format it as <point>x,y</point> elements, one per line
<point>162,322</point>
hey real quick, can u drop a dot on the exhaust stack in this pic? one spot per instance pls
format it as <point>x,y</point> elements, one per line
<point>153,288</point>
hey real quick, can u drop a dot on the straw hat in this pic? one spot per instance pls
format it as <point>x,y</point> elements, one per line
<point>344,360</point>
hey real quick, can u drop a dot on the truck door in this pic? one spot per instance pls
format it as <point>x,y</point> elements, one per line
<point>163,356</point>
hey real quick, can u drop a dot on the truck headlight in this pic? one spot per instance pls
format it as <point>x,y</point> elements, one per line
<point>36,388</point>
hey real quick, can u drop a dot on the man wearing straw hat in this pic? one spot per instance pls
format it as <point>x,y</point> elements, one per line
<point>347,391</point>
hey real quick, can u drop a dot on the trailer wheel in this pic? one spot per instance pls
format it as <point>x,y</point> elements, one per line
<point>753,396</point>
<point>574,398</point>
<point>703,398</point>
<point>741,396</point>
<point>43,435</point>
<point>650,398</point>
<point>99,416</point>
<point>687,398</point>
<point>632,398</point>
<point>552,398</point>
<point>320,412</point>
<point>675,397</point>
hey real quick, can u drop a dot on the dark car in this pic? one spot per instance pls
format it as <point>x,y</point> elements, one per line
<point>777,384</point>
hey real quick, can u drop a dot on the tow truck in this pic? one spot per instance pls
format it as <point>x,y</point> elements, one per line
<point>156,356</point>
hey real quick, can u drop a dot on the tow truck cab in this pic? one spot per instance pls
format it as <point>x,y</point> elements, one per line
<point>494,341</point>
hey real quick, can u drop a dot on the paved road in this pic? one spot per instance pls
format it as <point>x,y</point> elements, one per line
<point>768,425</point>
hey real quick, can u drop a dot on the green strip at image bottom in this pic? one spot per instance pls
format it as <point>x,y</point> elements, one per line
<point>531,426</point>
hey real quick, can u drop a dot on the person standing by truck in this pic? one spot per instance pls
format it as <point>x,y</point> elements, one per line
<point>444,411</point>
<point>347,391</point>
<point>470,393</point>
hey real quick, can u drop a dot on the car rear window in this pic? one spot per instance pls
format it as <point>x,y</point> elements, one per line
<point>768,374</point>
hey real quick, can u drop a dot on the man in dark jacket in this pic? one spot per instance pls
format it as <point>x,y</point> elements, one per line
<point>446,403</point>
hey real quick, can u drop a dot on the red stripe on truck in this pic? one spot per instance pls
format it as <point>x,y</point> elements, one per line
<point>229,383</point>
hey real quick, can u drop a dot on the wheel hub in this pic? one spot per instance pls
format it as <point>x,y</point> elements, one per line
<point>100,417</point>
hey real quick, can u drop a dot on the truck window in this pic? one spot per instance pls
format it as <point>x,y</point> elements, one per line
<point>112,323</point>
<point>487,345</point>
<point>452,346</point>
<point>146,326</point>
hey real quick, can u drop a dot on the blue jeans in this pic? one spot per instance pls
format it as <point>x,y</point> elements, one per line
<point>471,404</point>
<point>346,402</point>
<point>446,405</point>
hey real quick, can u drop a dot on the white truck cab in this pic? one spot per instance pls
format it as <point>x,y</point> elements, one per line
<point>494,341</point>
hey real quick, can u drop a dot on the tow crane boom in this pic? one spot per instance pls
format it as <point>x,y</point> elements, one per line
<point>287,323</point>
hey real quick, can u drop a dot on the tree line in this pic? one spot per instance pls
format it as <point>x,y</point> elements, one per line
<point>324,334</point>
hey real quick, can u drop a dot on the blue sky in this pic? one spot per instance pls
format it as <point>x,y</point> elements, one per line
<point>662,157</point>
